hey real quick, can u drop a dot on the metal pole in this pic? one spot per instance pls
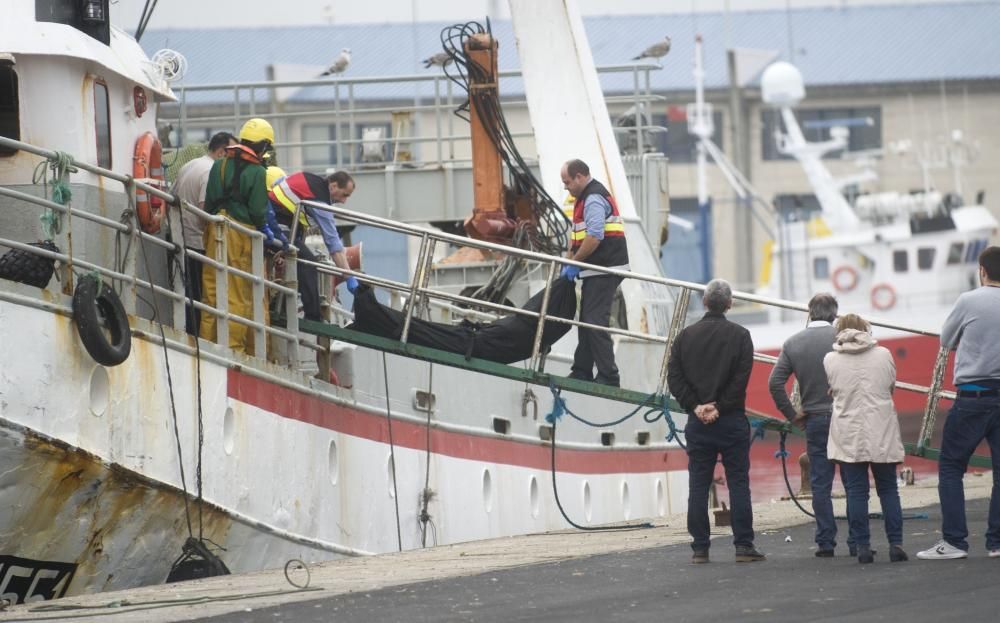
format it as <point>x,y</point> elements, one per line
<point>336,121</point>
<point>437,115</point>
<point>410,300</point>
<point>350,120</point>
<point>676,324</point>
<point>540,328</point>
<point>259,294</point>
<point>222,282</point>
<point>638,111</point>
<point>933,396</point>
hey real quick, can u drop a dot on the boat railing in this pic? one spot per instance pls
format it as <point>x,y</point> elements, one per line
<point>349,103</point>
<point>129,226</point>
<point>417,289</point>
<point>415,292</point>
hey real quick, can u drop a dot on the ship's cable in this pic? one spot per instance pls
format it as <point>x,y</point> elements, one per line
<point>392,451</point>
<point>558,408</point>
<point>782,454</point>
<point>427,494</point>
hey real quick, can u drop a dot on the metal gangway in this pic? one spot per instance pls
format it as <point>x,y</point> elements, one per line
<point>418,297</point>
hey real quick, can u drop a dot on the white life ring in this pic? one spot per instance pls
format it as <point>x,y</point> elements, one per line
<point>883,297</point>
<point>842,273</point>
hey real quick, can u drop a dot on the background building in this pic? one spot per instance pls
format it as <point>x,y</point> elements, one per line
<point>917,85</point>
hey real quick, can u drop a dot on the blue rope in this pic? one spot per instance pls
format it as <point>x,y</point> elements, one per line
<point>759,428</point>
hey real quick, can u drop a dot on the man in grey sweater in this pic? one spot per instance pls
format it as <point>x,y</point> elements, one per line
<point>802,356</point>
<point>972,330</point>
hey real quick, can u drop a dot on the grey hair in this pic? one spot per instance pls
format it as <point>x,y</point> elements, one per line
<point>823,306</point>
<point>718,296</point>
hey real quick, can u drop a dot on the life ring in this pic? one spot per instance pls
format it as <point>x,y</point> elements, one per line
<point>147,165</point>
<point>844,272</point>
<point>883,297</point>
<point>101,321</point>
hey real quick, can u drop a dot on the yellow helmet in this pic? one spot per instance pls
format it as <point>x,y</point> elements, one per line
<point>256,130</point>
<point>273,175</point>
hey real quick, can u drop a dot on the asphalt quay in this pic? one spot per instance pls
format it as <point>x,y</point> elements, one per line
<point>634,575</point>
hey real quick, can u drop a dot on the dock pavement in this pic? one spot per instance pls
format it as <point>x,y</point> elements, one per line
<point>634,575</point>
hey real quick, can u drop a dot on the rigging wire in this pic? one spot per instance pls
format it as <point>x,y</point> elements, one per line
<point>392,450</point>
<point>147,14</point>
<point>427,494</point>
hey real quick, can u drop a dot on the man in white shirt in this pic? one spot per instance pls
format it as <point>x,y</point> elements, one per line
<point>190,188</point>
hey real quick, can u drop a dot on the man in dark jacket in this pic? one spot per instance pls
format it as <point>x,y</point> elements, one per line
<point>708,372</point>
<point>802,356</point>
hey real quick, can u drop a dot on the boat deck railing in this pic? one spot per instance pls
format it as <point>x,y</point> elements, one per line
<point>415,294</point>
<point>347,104</point>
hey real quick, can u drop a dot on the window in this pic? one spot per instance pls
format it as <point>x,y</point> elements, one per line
<point>797,207</point>
<point>974,249</point>
<point>925,258</point>
<point>10,122</point>
<point>319,156</point>
<point>677,143</point>
<point>375,145</point>
<point>821,268</point>
<point>102,124</point>
<point>955,253</point>
<point>864,123</point>
<point>900,261</point>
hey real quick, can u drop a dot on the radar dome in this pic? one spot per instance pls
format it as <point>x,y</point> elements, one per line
<point>781,84</point>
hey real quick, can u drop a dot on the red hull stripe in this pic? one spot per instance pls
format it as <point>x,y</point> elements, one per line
<point>295,405</point>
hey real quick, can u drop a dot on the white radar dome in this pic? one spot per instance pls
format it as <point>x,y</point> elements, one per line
<point>781,84</point>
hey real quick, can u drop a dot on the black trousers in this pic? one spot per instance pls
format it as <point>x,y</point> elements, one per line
<point>192,290</point>
<point>730,437</point>
<point>596,347</point>
<point>308,278</point>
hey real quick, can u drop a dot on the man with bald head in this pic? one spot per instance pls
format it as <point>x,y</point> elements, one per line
<point>598,237</point>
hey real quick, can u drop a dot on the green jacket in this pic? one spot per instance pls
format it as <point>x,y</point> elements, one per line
<point>252,210</point>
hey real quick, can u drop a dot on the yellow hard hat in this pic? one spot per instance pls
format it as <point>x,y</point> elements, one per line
<point>273,175</point>
<point>256,130</point>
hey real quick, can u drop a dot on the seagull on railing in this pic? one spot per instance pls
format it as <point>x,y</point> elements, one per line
<point>657,50</point>
<point>438,60</point>
<point>339,64</point>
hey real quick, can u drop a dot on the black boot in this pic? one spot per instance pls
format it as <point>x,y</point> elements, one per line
<point>865,555</point>
<point>896,554</point>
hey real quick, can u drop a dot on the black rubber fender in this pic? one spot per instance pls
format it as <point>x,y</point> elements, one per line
<point>27,267</point>
<point>101,321</point>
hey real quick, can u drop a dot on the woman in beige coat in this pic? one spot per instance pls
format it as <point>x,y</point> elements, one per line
<point>864,431</point>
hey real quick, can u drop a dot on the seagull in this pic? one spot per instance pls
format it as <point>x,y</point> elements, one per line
<point>657,50</point>
<point>438,60</point>
<point>339,64</point>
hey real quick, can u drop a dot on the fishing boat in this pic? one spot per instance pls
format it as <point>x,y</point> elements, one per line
<point>132,451</point>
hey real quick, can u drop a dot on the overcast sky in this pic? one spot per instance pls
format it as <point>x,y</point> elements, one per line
<point>230,13</point>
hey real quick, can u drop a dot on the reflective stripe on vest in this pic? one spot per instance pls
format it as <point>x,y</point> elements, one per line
<point>286,197</point>
<point>613,226</point>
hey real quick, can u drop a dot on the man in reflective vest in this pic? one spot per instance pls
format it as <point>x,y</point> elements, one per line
<point>285,194</point>
<point>598,238</point>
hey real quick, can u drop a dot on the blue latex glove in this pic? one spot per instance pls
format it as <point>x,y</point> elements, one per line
<point>570,272</point>
<point>352,284</point>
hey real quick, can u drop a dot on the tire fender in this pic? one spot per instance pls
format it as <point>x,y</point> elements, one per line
<point>101,321</point>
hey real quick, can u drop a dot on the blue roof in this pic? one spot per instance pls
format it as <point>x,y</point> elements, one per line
<point>833,46</point>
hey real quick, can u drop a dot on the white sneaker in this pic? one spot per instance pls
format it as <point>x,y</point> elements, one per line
<point>943,550</point>
<point>994,553</point>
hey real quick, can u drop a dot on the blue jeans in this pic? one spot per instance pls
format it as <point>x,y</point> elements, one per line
<point>821,473</point>
<point>730,437</point>
<point>855,476</point>
<point>970,420</point>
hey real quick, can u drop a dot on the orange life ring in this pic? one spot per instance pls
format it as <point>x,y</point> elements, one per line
<point>838,278</point>
<point>147,164</point>
<point>878,301</point>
